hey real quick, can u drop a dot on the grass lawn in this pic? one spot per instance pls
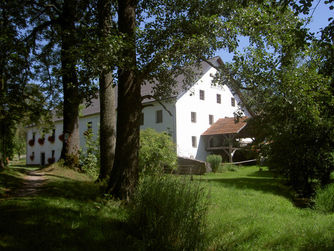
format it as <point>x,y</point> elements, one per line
<point>250,210</point>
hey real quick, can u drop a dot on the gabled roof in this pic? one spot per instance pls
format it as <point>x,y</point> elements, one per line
<point>226,126</point>
<point>147,89</point>
<point>180,87</point>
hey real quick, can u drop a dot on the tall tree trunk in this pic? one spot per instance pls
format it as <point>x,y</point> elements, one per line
<point>124,175</point>
<point>70,150</point>
<point>107,99</point>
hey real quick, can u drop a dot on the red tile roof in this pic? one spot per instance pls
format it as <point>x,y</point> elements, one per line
<point>226,126</point>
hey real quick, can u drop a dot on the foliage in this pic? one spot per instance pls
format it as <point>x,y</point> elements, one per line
<point>169,213</point>
<point>324,199</point>
<point>157,152</point>
<point>291,99</point>
<point>20,141</point>
<point>214,161</point>
<point>90,155</point>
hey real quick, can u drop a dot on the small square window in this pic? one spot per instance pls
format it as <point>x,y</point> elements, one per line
<point>210,119</point>
<point>158,116</point>
<point>233,102</point>
<point>193,117</point>
<point>141,118</point>
<point>219,99</point>
<point>194,141</point>
<point>201,95</point>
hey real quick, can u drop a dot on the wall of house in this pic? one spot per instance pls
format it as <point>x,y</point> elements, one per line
<point>168,121</point>
<point>190,102</point>
<point>35,152</point>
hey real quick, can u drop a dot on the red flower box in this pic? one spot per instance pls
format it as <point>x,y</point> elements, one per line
<point>31,142</point>
<point>41,141</point>
<point>51,139</point>
<point>61,137</point>
<point>51,160</point>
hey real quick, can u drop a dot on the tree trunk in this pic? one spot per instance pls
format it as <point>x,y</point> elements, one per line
<point>107,99</point>
<point>70,150</point>
<point>124,175</point>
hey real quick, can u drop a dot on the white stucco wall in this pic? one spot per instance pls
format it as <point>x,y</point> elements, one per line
<point>190,102</point>
<point>168,122</point>
<point>48,147</point>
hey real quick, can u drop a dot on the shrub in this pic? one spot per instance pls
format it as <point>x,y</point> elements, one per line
<point>90,156</point>
<point>214,161</point>
<point>324,200</point>
<point>169,213</point>
<point>157,152</point>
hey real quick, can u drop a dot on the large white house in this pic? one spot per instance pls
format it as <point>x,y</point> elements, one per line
<point>191,113</point>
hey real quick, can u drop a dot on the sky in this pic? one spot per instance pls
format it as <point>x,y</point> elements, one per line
<point>319,12</point>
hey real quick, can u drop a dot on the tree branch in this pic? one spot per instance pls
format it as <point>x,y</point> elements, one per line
<point>159,101</point>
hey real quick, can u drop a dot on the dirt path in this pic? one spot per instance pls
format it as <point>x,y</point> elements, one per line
<point>32,184</point>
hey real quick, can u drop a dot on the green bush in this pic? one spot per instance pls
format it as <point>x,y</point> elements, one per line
<point>90,156</point>
<point>214,161</point>
<point>324,200</point>
<point>157,152</point>
<point>169,213</point>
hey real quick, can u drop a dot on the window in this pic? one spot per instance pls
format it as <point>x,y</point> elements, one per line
<point>158,116</point>
<point>219,99</point>
<point>141,118</point>
<point>53,132</point>
<point>233,102</point>
<point>193,117</point>
<point>33,136</point>
<point>53,153</point>
<point>210,119</point>
<point>89,125</point>
<point>201,95</point>
<point>194,141</point>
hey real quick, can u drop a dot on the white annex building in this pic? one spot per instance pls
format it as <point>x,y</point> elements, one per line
<point>196,113</point>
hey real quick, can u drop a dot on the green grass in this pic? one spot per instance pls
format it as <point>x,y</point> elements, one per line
<point>68,213</point>
<point>250,210</point>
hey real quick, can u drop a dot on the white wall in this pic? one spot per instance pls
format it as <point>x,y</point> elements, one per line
<point>168,122</point>
<point>48,147</point>
<point>190,102</point>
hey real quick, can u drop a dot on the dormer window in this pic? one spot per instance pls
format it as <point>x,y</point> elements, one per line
<point>201,95</point>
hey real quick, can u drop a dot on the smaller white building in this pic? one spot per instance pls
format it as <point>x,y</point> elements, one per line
<point>191,112</point>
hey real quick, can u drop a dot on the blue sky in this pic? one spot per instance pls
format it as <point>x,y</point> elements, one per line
<point>319,14</point>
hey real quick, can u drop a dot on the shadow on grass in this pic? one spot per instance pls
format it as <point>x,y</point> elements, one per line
<point>35,225</point>
<point>62,214</point>
<point>260,181</point>
<point>9,182</point>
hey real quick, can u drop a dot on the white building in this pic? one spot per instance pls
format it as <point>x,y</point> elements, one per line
<point>190,113</point>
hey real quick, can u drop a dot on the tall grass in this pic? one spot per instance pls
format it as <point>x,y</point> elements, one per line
<point>324,200</point>
<point>169,213</point>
